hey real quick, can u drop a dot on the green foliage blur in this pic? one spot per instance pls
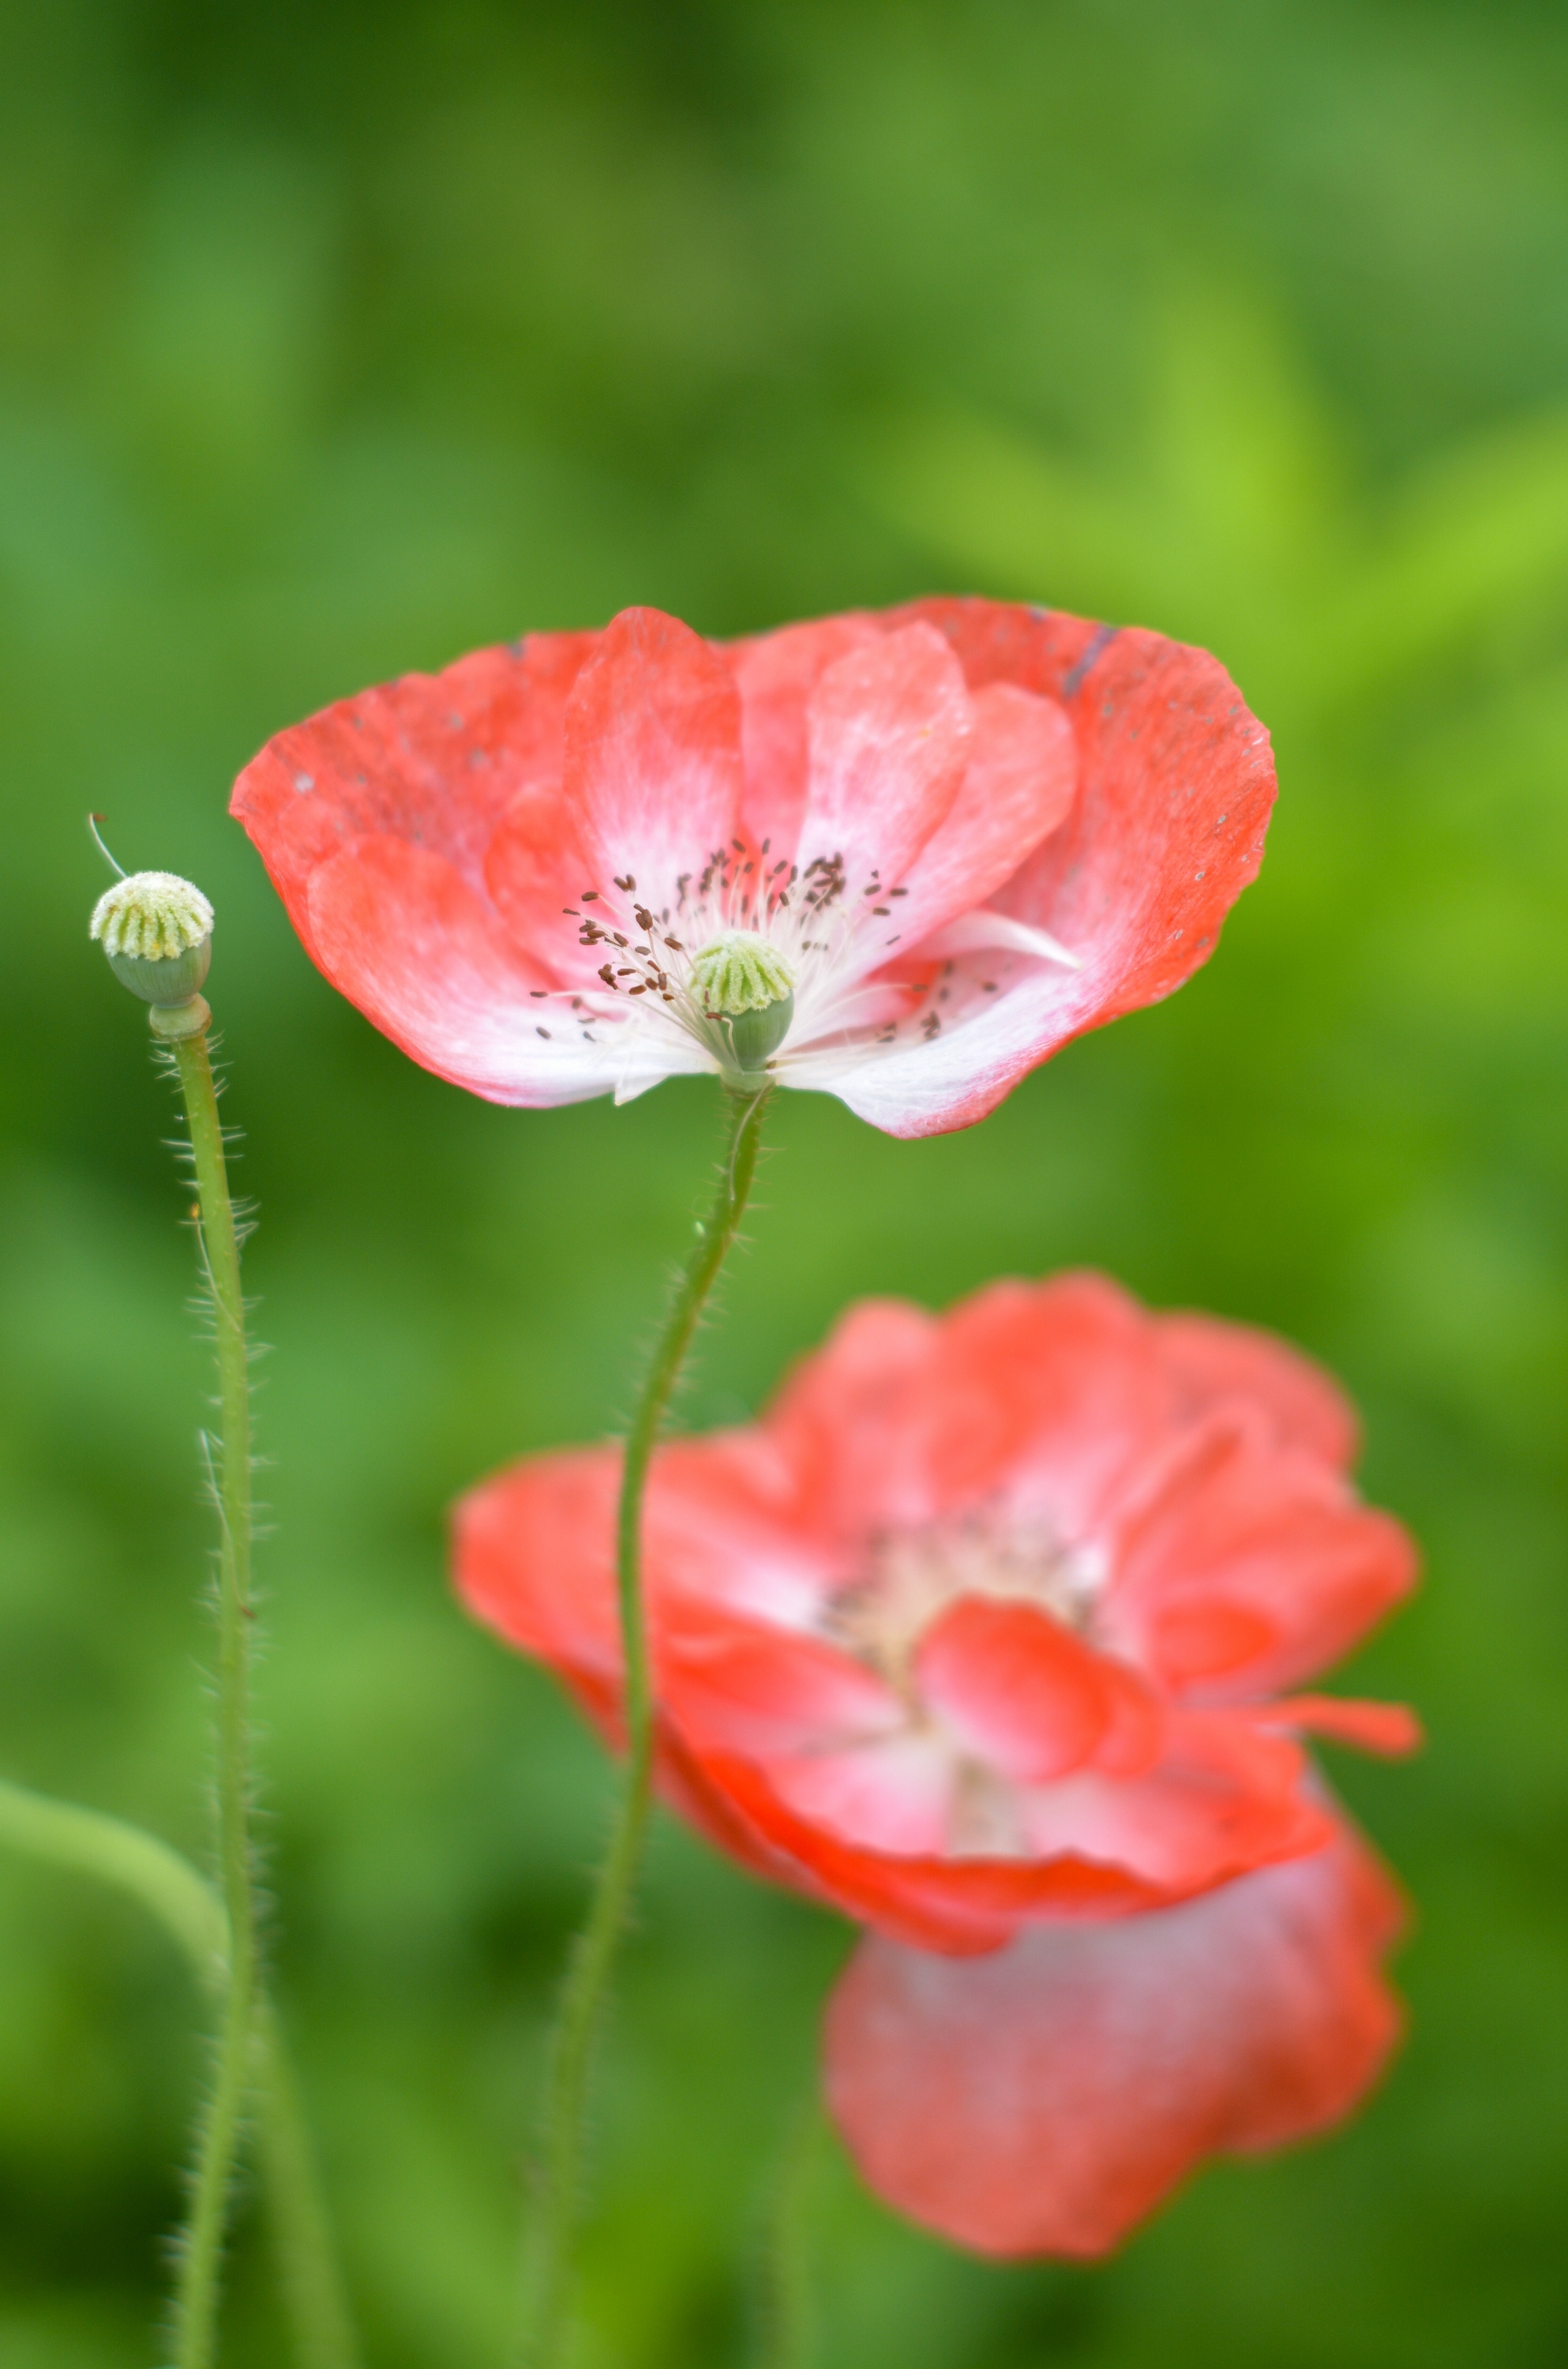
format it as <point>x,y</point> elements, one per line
<point>336,342</point>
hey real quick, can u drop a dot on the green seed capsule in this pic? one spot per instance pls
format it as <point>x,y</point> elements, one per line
<point>173,979</point>
<point>157,930</point>
<point>744,983</point>
<point>757,1035</point>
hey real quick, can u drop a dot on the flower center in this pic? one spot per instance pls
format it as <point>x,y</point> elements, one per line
<point>739,972</point>
<point>743,983</point>
<point>916,1575</point>
<point>156,930</point>
<point>751,954</point>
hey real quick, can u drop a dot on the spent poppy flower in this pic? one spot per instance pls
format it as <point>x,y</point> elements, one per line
<point>901,857</point>
<point>987,1633</point>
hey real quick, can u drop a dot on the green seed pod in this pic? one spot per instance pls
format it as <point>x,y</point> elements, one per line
<point>157,930</point>
<point>757,1035</point>
<point>744,983</point>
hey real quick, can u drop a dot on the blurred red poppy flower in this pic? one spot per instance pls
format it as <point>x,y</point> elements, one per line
<point>901,857</point>
<point>982,1634</point>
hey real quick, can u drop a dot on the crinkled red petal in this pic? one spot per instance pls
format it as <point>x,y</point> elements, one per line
<point>1046,2099</point>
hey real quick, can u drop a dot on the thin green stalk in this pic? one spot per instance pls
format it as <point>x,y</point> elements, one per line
<point>89,1842</point>
<point>583,1997</point>
<point>202,2242</point>
<point>92,1843</point>
<point>314,2299</point>
<point>785,2336</point>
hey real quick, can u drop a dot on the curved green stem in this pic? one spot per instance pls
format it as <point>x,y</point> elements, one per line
<point>91,1843</point>
<point>201,2243</point>
<point>583,1997</point>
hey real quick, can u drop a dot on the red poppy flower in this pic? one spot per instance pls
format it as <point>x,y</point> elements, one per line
<point>899,857</point>
<point>981,1635</point>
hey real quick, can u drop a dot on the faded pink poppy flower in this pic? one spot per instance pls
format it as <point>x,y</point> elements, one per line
<point>987,1634</point>
<point>901,857</point>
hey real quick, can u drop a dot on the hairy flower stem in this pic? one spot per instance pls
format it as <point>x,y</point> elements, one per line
<point>202,2242</point>
<point>89,1842</point>
<point>580,2012</point>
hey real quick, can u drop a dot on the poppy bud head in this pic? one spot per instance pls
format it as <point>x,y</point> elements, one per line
<point>157,930</point>
<point>743,981</point>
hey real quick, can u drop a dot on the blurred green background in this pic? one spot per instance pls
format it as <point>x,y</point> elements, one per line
<point>336,340</point>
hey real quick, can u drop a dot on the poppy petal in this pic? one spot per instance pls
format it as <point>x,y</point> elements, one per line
<point>983,931</point>
<point>888,731</point>
<point>1390,1730</point>
<point>1210,1361</point>
<point>1044,1393</point>
<point>1018,785</point>
<point>1062,1383</point>
<point>1044,2098</point>
<point>1238,1530</point>
<point>737,1686</point>
<point>854,1421</point>
<point>536,873</point>
<point>1227,1793</point>
<point>533,1556</point>
<point>1176,783</point>
<point>931,1899</point>
<point>728,1522</point>
<point>1019,1690</point>
<point>429,759</point>
<point>652,771</point>
<point>406,938</point>
<point>776,674</point>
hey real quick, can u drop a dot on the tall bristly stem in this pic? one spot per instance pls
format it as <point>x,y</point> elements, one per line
<point>196,2301</point>
<point>584,1994</point>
